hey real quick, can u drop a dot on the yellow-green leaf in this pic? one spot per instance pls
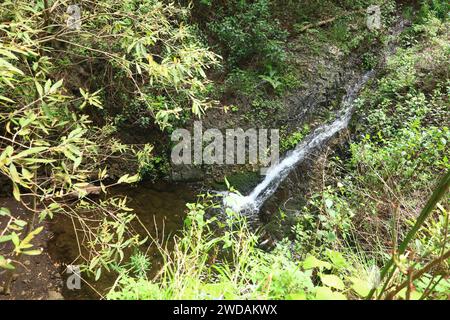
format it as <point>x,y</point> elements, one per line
<point>332,281</point>
<point>361,287</point>
<point>32,252</point>
<point>29,152</point>
<point>325,293</point>
<point>16,192</point>
<point>312,262</point>
<point>13,173</point>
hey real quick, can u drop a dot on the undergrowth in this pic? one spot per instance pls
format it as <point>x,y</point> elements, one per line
<point>371,227</point>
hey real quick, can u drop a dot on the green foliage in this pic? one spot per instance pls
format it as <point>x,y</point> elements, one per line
<point>11,233</point>
<point>399,260</point>
<point>410,105</point>
<point>291,141</point>
<point>369,61</point>
<point>151,166</point>
<point>194,271</point>
<point>351,224</point>
<point>369,199</point>
<point>246,30</point>
<point>339,32</point>
<point>155,59</point>
<point>243,81</point>
<point>50,151</point>
<point>64,94</point>
<point>438,8</point>
<point>407,158</point>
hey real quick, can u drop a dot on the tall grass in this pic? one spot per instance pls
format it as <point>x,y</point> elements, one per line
<point>387,273</point>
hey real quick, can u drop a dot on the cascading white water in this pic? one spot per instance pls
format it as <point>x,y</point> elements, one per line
<point>253,202</point>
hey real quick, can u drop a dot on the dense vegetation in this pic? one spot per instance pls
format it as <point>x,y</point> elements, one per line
<point>84,110</point>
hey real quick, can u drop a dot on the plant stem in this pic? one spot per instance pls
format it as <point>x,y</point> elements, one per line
<point>426,211</point>
<point>415,276</point>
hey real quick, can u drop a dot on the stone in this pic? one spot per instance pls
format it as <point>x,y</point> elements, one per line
<point>187,173</point>
<point>54,295</point>
<point>373,19</point>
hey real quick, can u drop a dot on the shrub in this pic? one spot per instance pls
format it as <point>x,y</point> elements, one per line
<point>248,33</point>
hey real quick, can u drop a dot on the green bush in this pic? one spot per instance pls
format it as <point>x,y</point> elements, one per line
<point>438,8</point>
<point>248,33</point>
<point>292,140</point>
<point>194,270</point>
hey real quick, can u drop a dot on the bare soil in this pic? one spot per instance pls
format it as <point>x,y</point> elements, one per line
<point>36,277</point>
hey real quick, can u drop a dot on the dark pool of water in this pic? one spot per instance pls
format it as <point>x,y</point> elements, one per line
<point>161,209</point>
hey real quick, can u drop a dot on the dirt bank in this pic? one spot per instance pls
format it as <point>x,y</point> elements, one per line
<point>36,277</point>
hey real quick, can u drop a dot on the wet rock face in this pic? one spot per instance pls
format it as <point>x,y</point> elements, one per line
<point>324,73</point>
<point>323,83</point>
<point>186,173</point>
<point>320,93</point>
<point>293,192</point>
<point>289,195</point>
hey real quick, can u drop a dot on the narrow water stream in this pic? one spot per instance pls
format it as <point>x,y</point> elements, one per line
<point>251,203</point>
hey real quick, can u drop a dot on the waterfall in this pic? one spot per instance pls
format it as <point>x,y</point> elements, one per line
<point>255,199</point>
